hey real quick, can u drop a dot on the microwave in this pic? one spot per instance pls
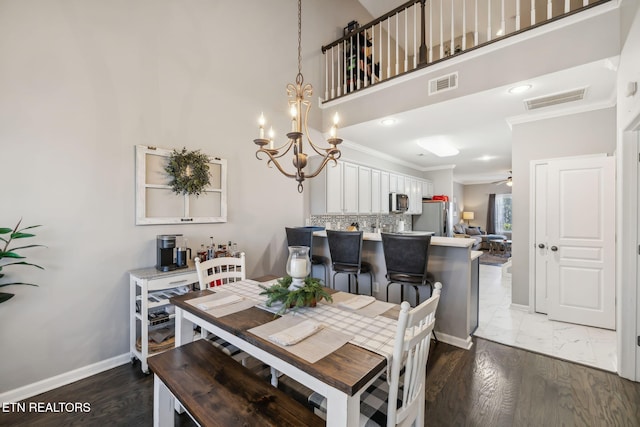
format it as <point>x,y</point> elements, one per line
<point>398,202</point>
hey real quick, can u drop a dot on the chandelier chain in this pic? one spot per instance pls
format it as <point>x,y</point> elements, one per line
<point>300,37</point>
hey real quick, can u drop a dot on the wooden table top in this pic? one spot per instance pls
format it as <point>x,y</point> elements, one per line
<point>348,369</point>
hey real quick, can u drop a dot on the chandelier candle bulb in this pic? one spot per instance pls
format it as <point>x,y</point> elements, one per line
<point>271,135</point>
<point>261,122</point>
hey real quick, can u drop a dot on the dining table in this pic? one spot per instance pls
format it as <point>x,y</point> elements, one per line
<point>340,362</point>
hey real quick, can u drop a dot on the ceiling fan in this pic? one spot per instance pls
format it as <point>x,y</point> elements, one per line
<point>508,181</point>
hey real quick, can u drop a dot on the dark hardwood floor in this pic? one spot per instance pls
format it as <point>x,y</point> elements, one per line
<point>490,385</point>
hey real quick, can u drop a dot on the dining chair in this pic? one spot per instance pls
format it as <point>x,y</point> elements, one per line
<point>345,249</point>
<point>303,236</point>
<point>407,257</point>
<point>399,398</point>
<point>221,271</point>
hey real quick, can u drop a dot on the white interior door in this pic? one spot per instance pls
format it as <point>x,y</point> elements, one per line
<point>541,241</point>
<point>581,241</point>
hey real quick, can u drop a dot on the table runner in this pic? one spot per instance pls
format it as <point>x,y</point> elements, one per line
<point>376,333</point>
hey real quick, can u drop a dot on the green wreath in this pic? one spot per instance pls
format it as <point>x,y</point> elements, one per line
<point>189,171</point>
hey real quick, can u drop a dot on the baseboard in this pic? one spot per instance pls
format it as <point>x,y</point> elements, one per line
<point>39,387</point>
<point>520,307</point>
<point>455,341</point>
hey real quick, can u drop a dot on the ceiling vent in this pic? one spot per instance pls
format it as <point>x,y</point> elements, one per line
<point>555,99</point>
<point>444,83</point>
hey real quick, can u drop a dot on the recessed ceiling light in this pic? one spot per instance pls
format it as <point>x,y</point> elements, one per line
<point>388,121</point>
<point>520,88</point>
<point>439,146</point>
<point>485,158</point>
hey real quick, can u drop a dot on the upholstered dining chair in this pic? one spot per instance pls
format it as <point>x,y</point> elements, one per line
<point>303,236</point>
<point>345,249</point>
<point>399,399</point>
<point>406,257</point>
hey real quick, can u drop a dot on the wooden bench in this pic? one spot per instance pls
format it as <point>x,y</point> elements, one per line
<point>218,391</point>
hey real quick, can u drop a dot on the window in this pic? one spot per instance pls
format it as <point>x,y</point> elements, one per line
<point>503,213</point>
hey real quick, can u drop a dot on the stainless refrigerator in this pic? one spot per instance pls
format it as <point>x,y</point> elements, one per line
<point>437,216</point>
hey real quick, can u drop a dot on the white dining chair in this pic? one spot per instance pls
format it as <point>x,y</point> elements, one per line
<point>399,399</point>
<point>221,271</point>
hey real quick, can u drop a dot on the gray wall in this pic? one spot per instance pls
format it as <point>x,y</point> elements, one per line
<point>457,202</point>
<point>82,83</point>
<point>578,134</point>
<point>476,200</point>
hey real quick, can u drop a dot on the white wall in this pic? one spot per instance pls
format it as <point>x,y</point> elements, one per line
<point>572,135</point>
<point>83,82</point>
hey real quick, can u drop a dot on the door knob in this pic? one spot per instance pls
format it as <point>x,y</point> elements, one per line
<point>541,245</point>
<point>554,248</point>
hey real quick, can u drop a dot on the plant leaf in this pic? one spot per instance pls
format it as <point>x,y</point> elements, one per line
<point>19,235</point>
<point>5,296</point>
<point>31,226</point>
<point>5,230</point>
<point>17,283</point>
<point>28,246</point>
<point>10,255</point>
<point>22,263</point>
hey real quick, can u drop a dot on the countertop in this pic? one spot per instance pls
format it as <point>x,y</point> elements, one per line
<point>435,240</point>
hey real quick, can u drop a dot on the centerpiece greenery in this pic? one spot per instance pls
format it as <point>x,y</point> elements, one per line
<point>189,171</point>
<point>10,255</point>
<point>306,296</point>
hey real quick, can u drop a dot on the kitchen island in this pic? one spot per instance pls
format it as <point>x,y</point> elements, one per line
<point>453,264</point>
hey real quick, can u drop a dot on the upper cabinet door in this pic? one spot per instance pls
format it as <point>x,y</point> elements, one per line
<point>384,192</point>
<point>334,188</point>
<point>393,183</point>
<point>375,191</point>
<point>350,188</point>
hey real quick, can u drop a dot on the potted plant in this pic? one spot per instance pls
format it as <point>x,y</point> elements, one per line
<point>12,256</point>
<point>307,295</point>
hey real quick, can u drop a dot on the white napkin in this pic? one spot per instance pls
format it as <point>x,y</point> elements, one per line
<point>297,333</point>
<point>220,302</point>
<point>357,302</point>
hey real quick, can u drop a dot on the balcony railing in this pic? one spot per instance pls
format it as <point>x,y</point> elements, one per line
<point>421,33</point>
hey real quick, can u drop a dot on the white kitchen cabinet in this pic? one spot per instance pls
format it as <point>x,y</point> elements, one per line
<point>427,189</point>
<point>334,188</point>
<point>365,193</point>
<point>401,185</point>
<point>150,309</point>
<point>375,190</point>
<point>384,192</point>
<point>393,183</point>
<point>350,188</point>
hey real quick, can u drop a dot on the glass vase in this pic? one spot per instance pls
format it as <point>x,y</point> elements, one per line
<point>298,265</point>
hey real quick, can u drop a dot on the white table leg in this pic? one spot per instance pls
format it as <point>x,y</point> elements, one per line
<point>184,328</point>
<point>342,410</point>
<point>162,404</point>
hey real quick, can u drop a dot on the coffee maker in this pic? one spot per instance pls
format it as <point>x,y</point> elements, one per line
<point>165,244</point>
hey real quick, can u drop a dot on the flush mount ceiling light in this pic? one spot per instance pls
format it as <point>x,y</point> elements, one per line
<point>439,146</point>
<point>390,121</point>
<point>299,106</point>
<point>520,89</point>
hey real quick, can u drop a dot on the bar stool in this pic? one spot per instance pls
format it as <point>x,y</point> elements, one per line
<point>345,248</point>
<point>303,236</point>
<point>406,257</point>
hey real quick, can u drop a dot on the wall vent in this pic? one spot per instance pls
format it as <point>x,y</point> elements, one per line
<point>555,99</point>
<point>444,83</point>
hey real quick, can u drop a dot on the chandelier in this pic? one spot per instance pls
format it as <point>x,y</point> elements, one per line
<point>299,106</point>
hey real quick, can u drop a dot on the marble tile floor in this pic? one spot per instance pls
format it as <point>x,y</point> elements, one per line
<point>516,327</point>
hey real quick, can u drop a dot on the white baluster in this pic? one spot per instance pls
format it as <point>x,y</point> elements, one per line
<point>415,36</point>
<point>453,43</point>
<point>585,2</point>
<point>549,9</point>
<point>389,47</point>
<point>517,15</point>
<point>373,55</point>
<point>380,66</point>
<point>333,81</point>
<point>475,28</point>
<point>533,12</point>
<point>357,67</point>
<point>430,32</point>
<point>397,48</point>
<point>326,76</point>
<point>406,42</point>
<point>503,28</point>
<point>567,6</point>
<point>345,70</point>
<point>441,32</point>
<point>489,20</point>
<point>464,25</point>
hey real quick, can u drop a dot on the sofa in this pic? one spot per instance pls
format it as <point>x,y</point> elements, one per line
<point>481,237</point>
